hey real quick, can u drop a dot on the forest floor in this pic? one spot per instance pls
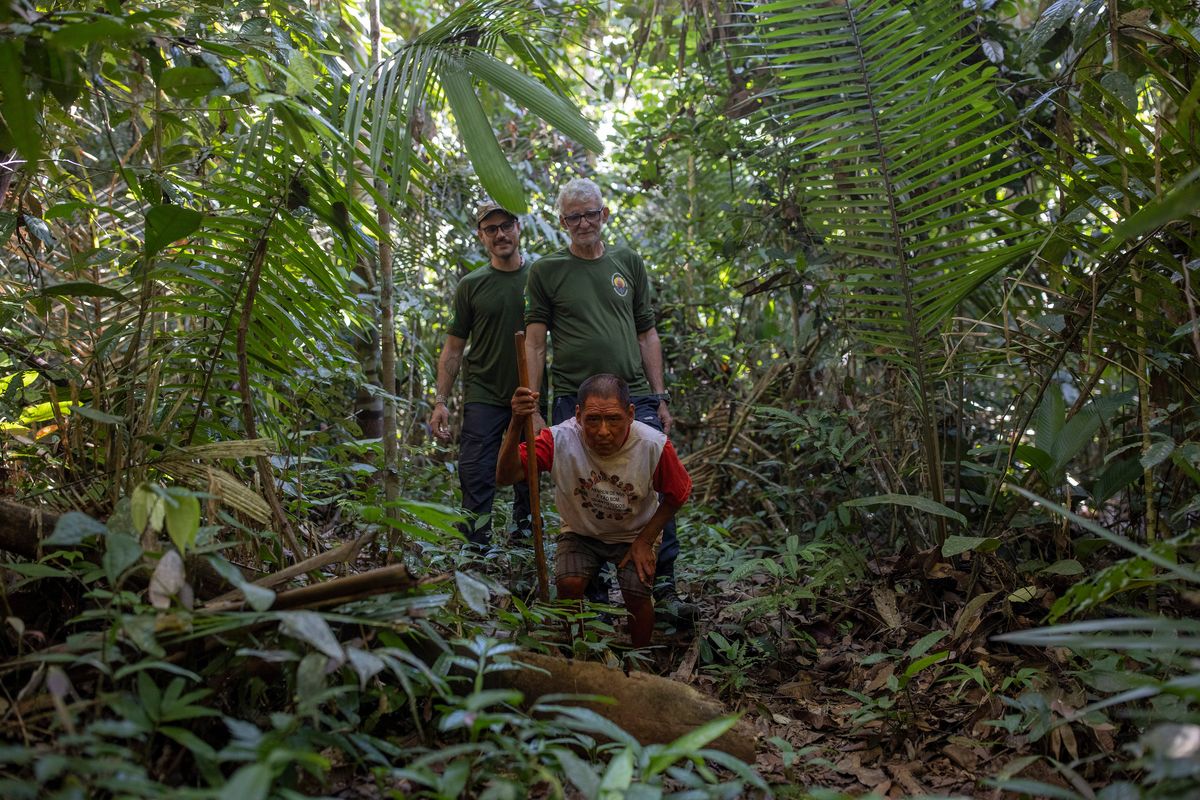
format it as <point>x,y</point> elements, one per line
<point>887,692</point>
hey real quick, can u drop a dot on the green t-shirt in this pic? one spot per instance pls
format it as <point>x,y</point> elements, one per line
<point>594,311</point>
<point>488,305</point>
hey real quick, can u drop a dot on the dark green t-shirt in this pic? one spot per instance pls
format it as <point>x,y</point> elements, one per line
<point>594,311</point>
<point>488,306</point>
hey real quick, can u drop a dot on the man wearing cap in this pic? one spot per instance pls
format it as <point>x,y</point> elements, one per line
<point>594,299</point>
<point>488,310</point>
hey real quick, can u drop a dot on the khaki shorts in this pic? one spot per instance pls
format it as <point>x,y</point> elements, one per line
<point>582,556</point>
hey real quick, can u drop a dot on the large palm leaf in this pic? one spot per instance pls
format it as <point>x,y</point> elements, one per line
<point>386,97</point>
<point>897,153</point>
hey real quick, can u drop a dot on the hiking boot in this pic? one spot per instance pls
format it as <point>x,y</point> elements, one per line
<point>676,610</point>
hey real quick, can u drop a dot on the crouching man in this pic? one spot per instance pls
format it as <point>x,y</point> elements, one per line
<point>608,470</point>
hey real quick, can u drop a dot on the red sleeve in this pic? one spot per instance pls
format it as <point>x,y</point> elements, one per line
<point>671,478</point>
<point>543,446</point>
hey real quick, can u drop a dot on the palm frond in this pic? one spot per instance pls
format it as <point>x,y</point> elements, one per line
<point>900,164</point>
<point>384,99</point>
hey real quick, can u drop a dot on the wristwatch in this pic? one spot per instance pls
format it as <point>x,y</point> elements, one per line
<point>439,398</point>
<point>662,397</point>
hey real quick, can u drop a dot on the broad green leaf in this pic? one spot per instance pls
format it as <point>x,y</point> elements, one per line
<point>194,744</point>
<point>1120,85</point>
<point>78,35</point>
<point>44,412</point>
<point>473,591</point>
<point>121,551</point>
<point>99,416</point>
<point>20,109</point>
<point>1116,476</point>
<point>311,627</point>
<point>689,743</point>
<point>618,776</point>
<point>1182,201</point>
<point>8,224</point>
<point>183,520</point>
<point>166,224</point>
<point>1068,567</point>
<point>534,96</point>
<point>251,782</point>
<point>148,508</point>
<point>925,642</point>
<point>1023,595</point>
<point>957,545</point>
<point>578,771</point>
<point>366,665</point>
<point>260,598</point>
<point>73,528</point>
<point>1034,457</point>
<point>188,82</point>
<point>1048,420</point>
<point>1157,453</point>
<point>487,158</point>
<point>1076,434</point>
<point>1053,18</point>
<point>34,569</point>
<point>925,662</point>
<point>911,501</point>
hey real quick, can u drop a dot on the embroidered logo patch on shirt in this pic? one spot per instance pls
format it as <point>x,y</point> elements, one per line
<point>619,284</point>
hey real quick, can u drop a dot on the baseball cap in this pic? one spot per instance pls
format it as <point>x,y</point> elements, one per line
<point>489,207</point>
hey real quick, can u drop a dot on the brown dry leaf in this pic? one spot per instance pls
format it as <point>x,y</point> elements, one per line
<point>799,689</point>
<point>1137,17</point>
<point>962,756</point>
<point>885,604</point>
<point>969,618</point>
<point>903,773</point>
<point>882,673</point>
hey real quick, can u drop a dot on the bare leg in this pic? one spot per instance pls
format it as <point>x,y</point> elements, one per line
<point>641,619</point>
<point>571,588</point>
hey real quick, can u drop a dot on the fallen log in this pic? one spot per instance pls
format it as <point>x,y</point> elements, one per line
<point>343,553</point>
<point>653,710</point>
<point>22,529</point>
<point>334,591</point>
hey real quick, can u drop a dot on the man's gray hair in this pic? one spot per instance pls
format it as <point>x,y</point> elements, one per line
<point>578,189</point>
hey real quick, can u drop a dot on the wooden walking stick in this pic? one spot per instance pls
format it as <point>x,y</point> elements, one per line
<point>531,477</point>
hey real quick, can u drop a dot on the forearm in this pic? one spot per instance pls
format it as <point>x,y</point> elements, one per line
<point>509,469</point>
<point>449,363</point>
<point>662,516</point>
<point>650,347</point>
<point>535,353</point>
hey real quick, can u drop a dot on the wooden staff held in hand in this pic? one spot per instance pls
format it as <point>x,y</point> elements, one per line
<point>531,469</point>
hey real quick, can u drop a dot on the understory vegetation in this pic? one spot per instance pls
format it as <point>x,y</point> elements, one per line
<point>923,276</point>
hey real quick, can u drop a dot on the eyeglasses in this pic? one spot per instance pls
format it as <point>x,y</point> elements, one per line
<point>506,226</point>
<point>571,220</point>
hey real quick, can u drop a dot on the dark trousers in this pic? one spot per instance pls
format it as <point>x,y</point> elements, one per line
<point>483,430</point>
<point>645,411</point>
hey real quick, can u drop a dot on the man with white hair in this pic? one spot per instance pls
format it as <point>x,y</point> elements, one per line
<point>595,299</point>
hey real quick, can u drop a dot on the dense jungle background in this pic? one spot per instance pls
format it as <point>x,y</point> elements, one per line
<point>923,278</point>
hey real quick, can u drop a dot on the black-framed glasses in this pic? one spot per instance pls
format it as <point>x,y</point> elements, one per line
<point>571,220</point>
<point>506,226</point>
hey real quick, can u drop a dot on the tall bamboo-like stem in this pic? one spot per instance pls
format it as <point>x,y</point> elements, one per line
<point>265,473</point>
<point>1143,363</point>
<point>387,319</point>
